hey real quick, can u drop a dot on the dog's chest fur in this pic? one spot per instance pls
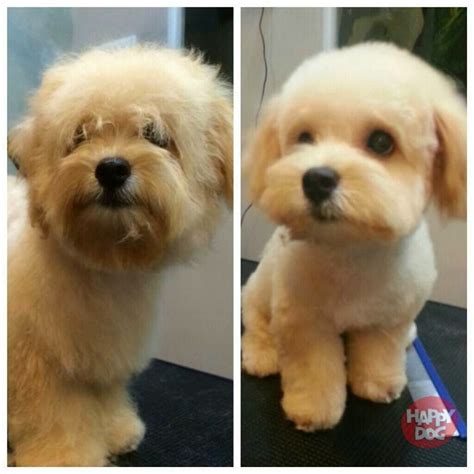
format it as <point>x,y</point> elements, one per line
<point>355,287</point>
<point>95,325</point>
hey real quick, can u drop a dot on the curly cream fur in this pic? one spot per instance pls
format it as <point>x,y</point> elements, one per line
<point>367,269</point>
<point>83,277</point>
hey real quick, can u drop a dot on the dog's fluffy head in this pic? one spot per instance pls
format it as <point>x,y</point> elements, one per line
<point>381,130</point>
<point>163,113</point>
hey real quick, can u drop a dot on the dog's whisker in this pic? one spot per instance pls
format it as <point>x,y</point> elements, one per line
<point>132,234</point>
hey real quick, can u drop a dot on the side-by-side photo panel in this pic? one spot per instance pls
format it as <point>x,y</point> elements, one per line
<point>353,236</point>
<point>120,237</point>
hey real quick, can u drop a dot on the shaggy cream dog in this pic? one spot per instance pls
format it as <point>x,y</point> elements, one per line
<point>126,155</point>
<point>346,159</point>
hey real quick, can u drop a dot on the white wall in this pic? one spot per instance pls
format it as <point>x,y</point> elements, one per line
<point>195,301</point>
<point>195,309</point>
<point>292,35</point>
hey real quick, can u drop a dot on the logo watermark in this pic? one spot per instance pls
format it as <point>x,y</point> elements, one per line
<point>429,422</point>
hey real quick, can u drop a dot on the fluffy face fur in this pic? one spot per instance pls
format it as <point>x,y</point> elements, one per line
<point>346,159</point>
<point>339,99</point>
<point>164,112</point>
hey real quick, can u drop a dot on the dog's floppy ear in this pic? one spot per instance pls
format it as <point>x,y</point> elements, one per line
<point>222,144</point>
<point>450,167</point>
<point>263,149</point>
<point>20,142</point>
<point>23,138</point>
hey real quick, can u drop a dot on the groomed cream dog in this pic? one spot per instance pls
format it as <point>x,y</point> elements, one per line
<point>346,159</point>
<point>126,155</point>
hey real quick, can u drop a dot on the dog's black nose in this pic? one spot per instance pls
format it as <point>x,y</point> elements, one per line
<point>112,172</point>
<point>319,183</point>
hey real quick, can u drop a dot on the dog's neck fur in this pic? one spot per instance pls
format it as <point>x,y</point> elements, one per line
<point>53,252</point>
<point>359,250</point>
<point>367,274</point>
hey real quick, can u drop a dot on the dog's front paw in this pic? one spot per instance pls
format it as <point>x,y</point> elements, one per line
<point>259,358</point>
<point>381,389</point>
<point>126,434</point>
<point>310,412</point>
<point>82,454</point>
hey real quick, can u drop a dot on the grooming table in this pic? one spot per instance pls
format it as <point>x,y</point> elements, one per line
<point>369,433</point>
<point>189,418</point>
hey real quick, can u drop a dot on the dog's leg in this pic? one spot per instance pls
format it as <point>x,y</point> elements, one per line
<point>259,356</point>
<point>124,430</point>
<point>376,361</point>
<point>53,419</point>
<point>61,428</point>
<point>311,356</point>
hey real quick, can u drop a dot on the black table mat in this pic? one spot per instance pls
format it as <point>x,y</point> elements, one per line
<point>369,433</point>
<point>188,415</point>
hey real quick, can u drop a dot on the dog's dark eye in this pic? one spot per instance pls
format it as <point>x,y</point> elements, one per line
<point>155,136</point>
<point>305,137</point>
<point>380,142</point>
<point>79,136</point>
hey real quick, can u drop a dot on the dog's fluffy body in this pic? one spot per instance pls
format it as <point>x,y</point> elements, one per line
<point>362,262</point>
<point>83,276</point>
